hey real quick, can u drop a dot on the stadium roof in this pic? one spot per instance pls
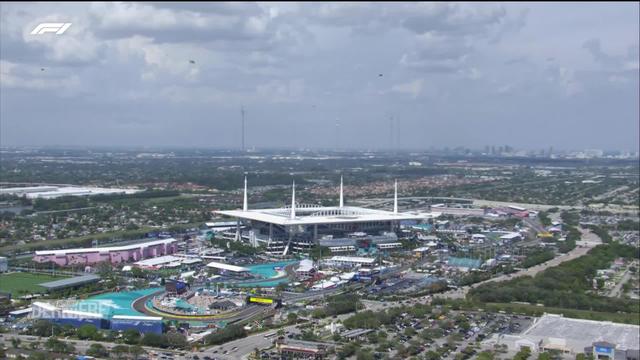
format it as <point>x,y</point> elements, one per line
<point>298,214</point>
<point>311,215</point>
<point>105,249</point>
<point>222,266</point>
<point>70,282</point>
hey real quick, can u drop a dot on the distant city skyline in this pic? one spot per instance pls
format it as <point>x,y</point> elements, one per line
<point>406,76</point>
<point>503,150</point>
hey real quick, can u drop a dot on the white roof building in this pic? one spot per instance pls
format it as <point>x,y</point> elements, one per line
<point>571,335</point>
<point>511,236</point>
<point>357,260</point>
<point>305,266</point>
<point>227,267</point>
<point>105,249</point>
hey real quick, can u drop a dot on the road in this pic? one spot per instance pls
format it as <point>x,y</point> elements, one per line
<point>616,291</point>
<point>245,346</point>
<point>82,345</point>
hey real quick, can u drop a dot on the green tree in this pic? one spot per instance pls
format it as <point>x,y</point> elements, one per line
<point>154,340</point>
<point>43,328</point>
<point>37,356</point>
<point>292,318</point>
<point>364,354</point>
<point>584,357</point>
<point>119,351</point>
<point>177,340</point>
<point>137,272</point>
<point>523,354</point>
<point>544,356</point>
<point>136,351</point>
<point>88,332</point>
<point>131,336</point>
<point>97,350</point>
<point>409,331</point>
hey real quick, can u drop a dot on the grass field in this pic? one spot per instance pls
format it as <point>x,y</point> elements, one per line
<point>20,283</point>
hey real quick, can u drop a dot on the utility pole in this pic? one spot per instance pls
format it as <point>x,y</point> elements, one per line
<point>242,113</point>
<point>390,132</point>
<point>337,133</point>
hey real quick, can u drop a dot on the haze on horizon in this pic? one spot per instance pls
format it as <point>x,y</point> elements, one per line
<point>321,75</point>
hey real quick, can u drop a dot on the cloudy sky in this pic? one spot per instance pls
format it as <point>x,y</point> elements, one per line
<point>322,75</point>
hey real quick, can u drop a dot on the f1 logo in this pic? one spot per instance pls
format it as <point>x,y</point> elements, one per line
<point>43,28</point>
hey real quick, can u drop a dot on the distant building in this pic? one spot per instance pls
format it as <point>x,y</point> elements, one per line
<point>52,192</point>
<point>298,349</point>
<point>4,264</point>
<point>114,255</point>
<point>421,251</point>
<point>306,269</point>
<point>350,261</point>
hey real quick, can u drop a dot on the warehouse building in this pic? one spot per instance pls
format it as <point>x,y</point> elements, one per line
<point>603,339</point>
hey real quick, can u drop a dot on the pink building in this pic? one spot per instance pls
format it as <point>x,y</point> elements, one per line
<point>114,255</point>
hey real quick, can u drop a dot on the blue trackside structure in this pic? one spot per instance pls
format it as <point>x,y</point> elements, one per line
<point>77,322</point>
<point>143,324</point>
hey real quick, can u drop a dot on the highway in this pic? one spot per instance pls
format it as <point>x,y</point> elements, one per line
<point>243,347</point>
<point>83,345</point>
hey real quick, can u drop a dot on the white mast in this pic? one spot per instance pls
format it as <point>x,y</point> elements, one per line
<point>245,206</point>
<point>395,198</point>
<point>293,200</point>
<point>341,195</point>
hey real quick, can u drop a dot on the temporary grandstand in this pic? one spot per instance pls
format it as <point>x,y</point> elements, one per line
<point>297,228</point>
<point>70,282</point>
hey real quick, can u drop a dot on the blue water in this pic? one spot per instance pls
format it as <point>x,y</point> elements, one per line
<point>267,270</point>
<point>263,283</point>
<point>115,303</point>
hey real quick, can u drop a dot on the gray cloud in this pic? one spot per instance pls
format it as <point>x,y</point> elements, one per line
<point>177,73</point>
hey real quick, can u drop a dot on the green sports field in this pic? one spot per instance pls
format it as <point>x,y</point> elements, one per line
<point>25,283</point>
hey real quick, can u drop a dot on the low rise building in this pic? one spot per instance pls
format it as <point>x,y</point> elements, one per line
<point>603,339</point>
